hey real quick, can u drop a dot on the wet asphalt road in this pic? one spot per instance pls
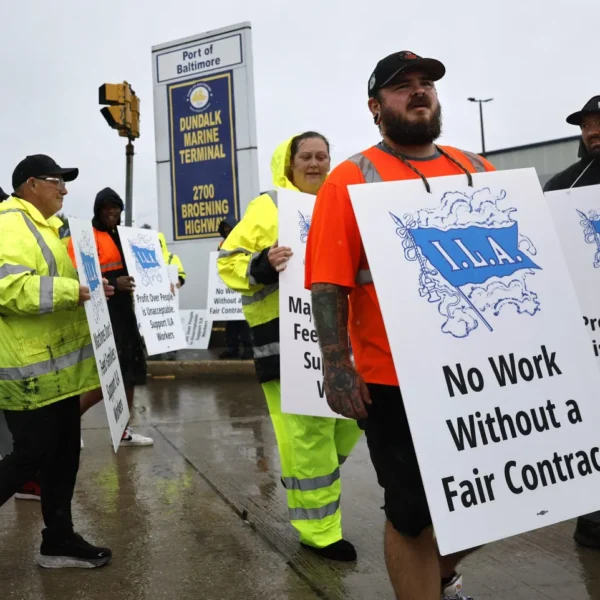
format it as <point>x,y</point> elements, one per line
<point>201,514</point>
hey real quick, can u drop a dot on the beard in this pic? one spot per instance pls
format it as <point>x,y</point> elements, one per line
<point>593,152</point>
<point>405,132</point>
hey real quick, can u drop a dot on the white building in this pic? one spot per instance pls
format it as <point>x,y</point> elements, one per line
<point>548,158</point>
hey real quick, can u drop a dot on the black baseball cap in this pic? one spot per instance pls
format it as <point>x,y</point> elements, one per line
<point>38,165</point>
<point>592,106</point>
<point>390,66</point>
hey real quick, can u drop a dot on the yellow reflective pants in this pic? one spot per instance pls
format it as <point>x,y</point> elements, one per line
<point>311,450</point>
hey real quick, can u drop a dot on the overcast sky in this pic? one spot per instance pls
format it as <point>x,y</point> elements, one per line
<point>538,59</point>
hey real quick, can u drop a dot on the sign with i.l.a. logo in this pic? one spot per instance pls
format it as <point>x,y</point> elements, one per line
<point>576,215</point>
<point>103,340</point>
<point>155,305</point>
<point>495,369</point>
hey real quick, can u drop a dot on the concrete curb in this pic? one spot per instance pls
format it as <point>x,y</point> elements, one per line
<point>189,369</point>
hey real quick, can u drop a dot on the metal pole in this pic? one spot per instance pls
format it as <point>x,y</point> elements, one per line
<point>480,102</point>
<point>129,184</point>
<point>482,130</point>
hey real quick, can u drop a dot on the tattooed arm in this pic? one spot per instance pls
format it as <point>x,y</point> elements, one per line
<point>345,389</point>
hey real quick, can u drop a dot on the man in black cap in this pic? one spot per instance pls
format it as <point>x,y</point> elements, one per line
<point>586,171</point>
<point>404,105</point>
<point>46,357</point>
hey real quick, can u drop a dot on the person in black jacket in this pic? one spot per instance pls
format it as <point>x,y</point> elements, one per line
<point>237,333</point>
<point>584,172</point>
<point>587,170</point>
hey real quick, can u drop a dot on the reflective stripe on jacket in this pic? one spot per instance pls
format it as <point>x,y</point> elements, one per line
<point>46,351</point>
<point>371,174</point>
<point>257,231</point>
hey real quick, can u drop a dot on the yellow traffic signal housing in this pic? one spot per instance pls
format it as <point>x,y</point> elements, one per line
<point>115,116</point>
<point>114,93</point>
<point>118,113</point>
<point>135,116</point>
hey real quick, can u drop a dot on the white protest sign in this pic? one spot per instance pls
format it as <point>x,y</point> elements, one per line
<point>576,215</point>
<point>156,308</point>
<point>300,356</point>
<point>499,384</point>
<point>222,304</point>
<point>197,328</point>
<point>103,341</point>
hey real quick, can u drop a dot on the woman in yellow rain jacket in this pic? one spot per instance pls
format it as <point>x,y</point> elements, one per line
<point>311,449</point>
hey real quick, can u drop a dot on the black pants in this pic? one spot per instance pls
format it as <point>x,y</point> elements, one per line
<point>45,441</point>
<point>236,333</point>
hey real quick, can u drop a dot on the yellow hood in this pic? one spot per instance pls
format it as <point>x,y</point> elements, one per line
<point>280,165</point>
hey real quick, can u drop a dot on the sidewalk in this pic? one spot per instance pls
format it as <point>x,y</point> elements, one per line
<point>188,364</point>
<point>202,514</point>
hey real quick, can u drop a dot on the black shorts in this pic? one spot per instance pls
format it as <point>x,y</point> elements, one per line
<point>395,461</point>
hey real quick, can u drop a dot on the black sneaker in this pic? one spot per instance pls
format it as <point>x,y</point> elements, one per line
<point>342,551</point>
<point>587,533</point>
<point>73,552</point>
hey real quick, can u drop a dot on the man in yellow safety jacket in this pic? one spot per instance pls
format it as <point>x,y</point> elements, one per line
<point>46,357</point>
<point>311,449</point>
<point>172,259</point>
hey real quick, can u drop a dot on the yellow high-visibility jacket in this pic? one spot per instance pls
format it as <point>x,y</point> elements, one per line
<point>247,244</point>
<point>46,351</point>
<point>170,258</point>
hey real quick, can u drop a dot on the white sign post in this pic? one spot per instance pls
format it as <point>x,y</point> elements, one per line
<point>197,328</point>
<point>576,215</point>
<point>499,384</point>
<point>156,308</point>
<point>302,390</point>
<point>96,310</point>
<point>205,134</point>
<point>222,304</point>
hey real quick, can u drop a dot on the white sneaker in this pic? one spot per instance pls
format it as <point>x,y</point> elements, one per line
<point>82,445</point>
<point>453,591</point>
<point>130,438</point>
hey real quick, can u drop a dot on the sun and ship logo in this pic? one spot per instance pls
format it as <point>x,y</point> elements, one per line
<point>146,262</point>
<point>591,231</point>
<point>199,97</point>
<point>473,262</point>
<point>88,261</point>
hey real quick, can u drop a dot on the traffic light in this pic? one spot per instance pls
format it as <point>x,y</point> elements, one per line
<point>132,118</point>
<point>123,110</point>
<point>135,116</point>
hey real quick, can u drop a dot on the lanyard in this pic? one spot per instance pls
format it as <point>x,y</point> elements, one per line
<point>418,172</point>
